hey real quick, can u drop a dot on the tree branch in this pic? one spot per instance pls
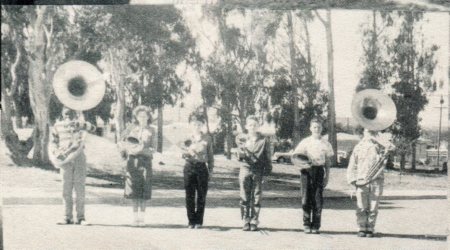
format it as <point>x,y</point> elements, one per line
<point>320,18</point>
<point>13,86</point>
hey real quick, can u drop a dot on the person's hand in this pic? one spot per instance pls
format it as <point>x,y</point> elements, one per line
<point>325,180</point>
<point>353,183</point>
<point>210,174</point>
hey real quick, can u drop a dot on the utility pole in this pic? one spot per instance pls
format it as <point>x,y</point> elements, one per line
<point>439,133</point>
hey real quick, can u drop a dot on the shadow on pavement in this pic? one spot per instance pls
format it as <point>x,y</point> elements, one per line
<point>413,236</point>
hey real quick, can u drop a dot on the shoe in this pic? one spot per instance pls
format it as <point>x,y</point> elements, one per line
<point>198,226</point>
<point>190,226</point>
<point>307,230</point>
<point>253,227</point>
<point>65,222</point>
<point>361,234</point>
<point>82,222</point>
<point>369,234</point>
<point>315,231</point>
<point>246,227</point>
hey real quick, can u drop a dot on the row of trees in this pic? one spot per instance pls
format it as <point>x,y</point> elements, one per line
<point>265,68</point>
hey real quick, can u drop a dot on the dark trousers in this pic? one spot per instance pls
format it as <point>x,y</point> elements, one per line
<point>195,183</point>
<point>312,195</point>
<point>250,184</point>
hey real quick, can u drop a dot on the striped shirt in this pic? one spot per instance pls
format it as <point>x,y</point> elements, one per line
<point>69,134</point>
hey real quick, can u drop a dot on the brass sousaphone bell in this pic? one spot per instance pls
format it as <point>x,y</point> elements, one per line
<point>373,110</point>
<point>79,85</point>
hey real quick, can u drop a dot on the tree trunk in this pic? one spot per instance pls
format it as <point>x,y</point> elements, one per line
<point>413,156</point>
<point>18,152</point>
<point>331,104</point>
<point>160,130</point>
<point>296,129</point>
<point>39,89</point>
<point>205,113</point>
<point>402,161</point>
<point>229,135</point>
<point>116,77</point>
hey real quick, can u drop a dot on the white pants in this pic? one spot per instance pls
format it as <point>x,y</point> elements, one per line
<point>368,198</point>
<point>73,175</point>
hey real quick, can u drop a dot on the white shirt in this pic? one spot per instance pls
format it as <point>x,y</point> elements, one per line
<point>318,150</point>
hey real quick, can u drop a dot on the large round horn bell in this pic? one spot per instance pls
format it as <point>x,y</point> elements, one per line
<point>79,85</point>
<point>373,110</point>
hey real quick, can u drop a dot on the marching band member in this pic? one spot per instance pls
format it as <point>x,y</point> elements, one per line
<point>198,169</point>
<point>67,153</point>
<point>314,179</point>
<point>365,154</point>
<point>257,155</point>
<point>137,146</point>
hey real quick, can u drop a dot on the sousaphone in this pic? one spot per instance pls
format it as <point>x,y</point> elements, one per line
<point>79,86</point>
<point>374,111</point>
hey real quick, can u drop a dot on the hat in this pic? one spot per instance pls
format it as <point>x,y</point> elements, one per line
<point>301,160</point>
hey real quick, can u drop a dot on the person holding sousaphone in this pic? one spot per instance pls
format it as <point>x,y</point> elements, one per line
<point>66,151</point>
<point>137,145</point>
<point>313,155</point>
<point>258,158</point>
<point>199,157</point>
<point>374,111</point>
<point>79,86</point>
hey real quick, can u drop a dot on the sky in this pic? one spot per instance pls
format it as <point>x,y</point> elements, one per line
<point>346,28</point>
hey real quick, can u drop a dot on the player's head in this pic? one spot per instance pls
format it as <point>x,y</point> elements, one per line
<point>315,126</point>
<point>142,115</point>
<point>68,114</point>
<point>197,121</point>
<point>252,124</point>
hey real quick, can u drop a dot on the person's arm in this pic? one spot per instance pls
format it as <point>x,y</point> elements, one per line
<point>120,142</point>
<point>352,167</point>
<point>328,162</point>
<point>210,154</point>
<point>268,151</point>
<point>54,140</point>
<point>301,148</point>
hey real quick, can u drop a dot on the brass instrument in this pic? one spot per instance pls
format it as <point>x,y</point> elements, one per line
<point>374,111</point>
<point>79,86</point>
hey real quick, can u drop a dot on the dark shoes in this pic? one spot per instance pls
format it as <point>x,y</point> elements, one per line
<point>368,234</point>
<point>82,222</point>
<point>253,227</point>
<point>246,227</point>
<point>65,222</point>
